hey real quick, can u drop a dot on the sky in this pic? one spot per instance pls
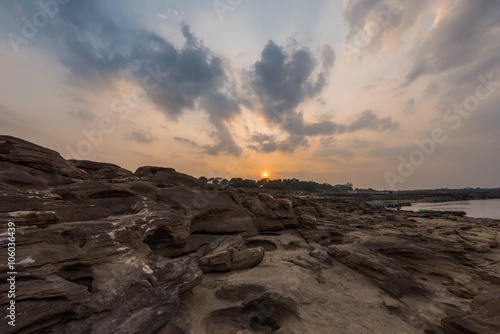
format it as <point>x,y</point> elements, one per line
<point>388,94</point>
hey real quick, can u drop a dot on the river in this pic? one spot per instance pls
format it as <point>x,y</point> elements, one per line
<point>487,208</point>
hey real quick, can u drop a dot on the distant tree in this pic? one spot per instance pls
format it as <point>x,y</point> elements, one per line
<point>240,183</point>
<point>236,182</point>
<point>286,185</point>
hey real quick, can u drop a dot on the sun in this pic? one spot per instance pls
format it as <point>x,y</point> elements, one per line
<point>264,174</point>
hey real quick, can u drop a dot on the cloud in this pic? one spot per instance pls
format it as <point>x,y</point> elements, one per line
<point>334,151</point>
<point>144,155</point>
<point>466,38</point>
<point>410,107</point>
<point>327,141</point>
<point>269,143</point>
<point>83,114</point>
<point>99,51</point>
<point>225,141</point>
<point>299,132</point>
<point>140,137</point>
<point>172,13</point>
<point>369,121</point>
<point>359,144</point>
<point>282,79</point>
<point>327,56</point>
<point>187,141</point>
<point>375,24</point>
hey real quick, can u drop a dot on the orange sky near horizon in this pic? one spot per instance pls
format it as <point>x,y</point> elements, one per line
<point>410,104</point>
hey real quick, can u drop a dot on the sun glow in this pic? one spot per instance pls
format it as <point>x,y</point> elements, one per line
<point>264,174</point>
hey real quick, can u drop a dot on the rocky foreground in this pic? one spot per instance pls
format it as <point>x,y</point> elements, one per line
<point>100,249</point>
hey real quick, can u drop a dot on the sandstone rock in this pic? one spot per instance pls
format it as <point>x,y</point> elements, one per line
<point>220,261</point>
<point>222,220</point>
<point>166,177</point>
<point>229,253</point>
<point>383,270</point>
<point>85,274</point>
<point>211,210</point>
<point>104,171</point>
<point>226,243</point>
<point>484,316</point>
<point>247,258</point>
<point>113,198</point>
<point>37,165</point>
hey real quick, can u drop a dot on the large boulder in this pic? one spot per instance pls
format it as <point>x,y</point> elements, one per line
<point>382,270</point>
<point>484,316</point>
<point>25,164</point>
<point>166,177</point>
<point>104,171</point>
<point>97,276</point>
<point>229,253</point>
<point>109,196</point>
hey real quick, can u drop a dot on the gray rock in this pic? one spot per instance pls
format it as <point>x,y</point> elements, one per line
<point>383,270</point>
<point>37,165</point>
<point>484,316</point>
<point>229,253</point>
<point>247,258</point>
<point>104,171</point>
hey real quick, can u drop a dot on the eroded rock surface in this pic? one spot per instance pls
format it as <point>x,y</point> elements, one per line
<point>100,249</point>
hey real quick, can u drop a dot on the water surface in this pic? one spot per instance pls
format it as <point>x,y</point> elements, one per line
<point>488,208</point>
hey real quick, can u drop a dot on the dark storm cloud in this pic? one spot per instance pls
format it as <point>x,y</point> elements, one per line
<point>99,50</point>
<point>467,39</point>
<point>280,81</point>
<point>140,137</point>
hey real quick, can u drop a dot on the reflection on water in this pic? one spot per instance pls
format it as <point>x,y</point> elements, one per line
<point>488,208</point>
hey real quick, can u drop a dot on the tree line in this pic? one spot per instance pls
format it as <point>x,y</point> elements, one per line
<point>282,184</point>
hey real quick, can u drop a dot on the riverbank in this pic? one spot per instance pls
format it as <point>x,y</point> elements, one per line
<point>487,208</point>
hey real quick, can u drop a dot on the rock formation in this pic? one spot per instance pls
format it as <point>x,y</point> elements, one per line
<point>100,249</point>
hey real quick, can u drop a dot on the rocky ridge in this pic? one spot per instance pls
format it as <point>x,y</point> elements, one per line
<point>100,249</point>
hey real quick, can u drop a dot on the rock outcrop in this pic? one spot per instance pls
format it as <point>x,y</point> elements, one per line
<point>100,249</point>
<point>229,253</point>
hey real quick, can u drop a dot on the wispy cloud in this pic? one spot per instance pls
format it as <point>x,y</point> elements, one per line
<point>140,137</point>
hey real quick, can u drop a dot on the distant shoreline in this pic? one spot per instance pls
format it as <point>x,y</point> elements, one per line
<point>413,196</point>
